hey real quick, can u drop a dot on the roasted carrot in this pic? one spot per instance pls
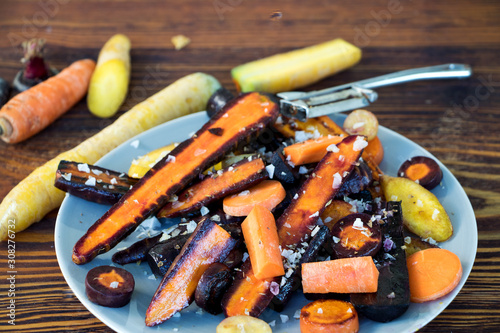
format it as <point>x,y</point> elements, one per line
<point>329,316</point>
<point>209,243</point>
<point>248,114</point>
<point>268,194</point>
<point>261,239</point>
<point>433,273</point>
<point>312,150</point>
<point>347,275</point>
<point>36,108</point>
<point>336,210</point>
<point>375,151</point>
<point>36,195</point>
<point>235,178</point>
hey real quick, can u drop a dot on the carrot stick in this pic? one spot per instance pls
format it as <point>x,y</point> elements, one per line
<point>36,108</point>
<point>261,238</point>
<point>433,273</point>
<point>268,193</point>
<point>329,316</point>
<point>348,275</point>
<point>310,151</point>
<point>374,150</point>
<point>36,195</point>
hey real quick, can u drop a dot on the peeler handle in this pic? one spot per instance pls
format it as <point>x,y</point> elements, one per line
<point>446,71</point>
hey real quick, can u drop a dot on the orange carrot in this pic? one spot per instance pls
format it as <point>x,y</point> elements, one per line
<point>36,108</point>
<point>329,316</point>
<point>310,151</point>
<point>433,273</point>
<point>268,194</point>
<point>348,275</point>
<point>261,238</point>
<point>336,210</point>
<point>374,150</point>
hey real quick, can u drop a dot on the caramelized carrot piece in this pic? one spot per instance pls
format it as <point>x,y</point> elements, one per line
<point>335,211</point>
<point>310,151</point>
<point>329,316</point>
<point>374,150</point>
<point>433,273</point>
<point>246,296</point>
<point>348,275</point>
<point>242,117</point>
<point>261,238</point>
<point>209,243</point>
<point>228,181</point>
<point>268,194</point>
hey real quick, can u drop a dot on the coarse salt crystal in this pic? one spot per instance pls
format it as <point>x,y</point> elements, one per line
<point>66,176</point>
<point>335,239</point>
<point>135,143</point>
<point>419,203</point>
<point>359,144</point>
<point>302,170</point>
<point>315,231</point>
<point>349,310</point>
<point>177,315</point>
<point>296,315</point>
<point>113,181</point>
<point>96,172</point>
<point>328,219</point>
<point>191,226</point>
<point>284,318</point>
<point>333,148</point>
<point>320,310</point>
<point>114,284</point>
<point>315,214</point>
<point>244,193</point>
<point>407,239</point>
<point>272,323</point>
<point>91,181</point>
<point>287,225</point>
<point>270,170</point>
<point>435,214</point>
<point>171,158</point>
<point>275,288</point>
<point>337,180</point>
<point>152,277</point>
<point>204,211</point>
<point>83,167</point>
<point>296,196</point>
<point>245,256</point>
<point>358,224</point>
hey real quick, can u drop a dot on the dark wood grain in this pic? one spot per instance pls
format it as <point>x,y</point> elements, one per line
<point>457,121</point>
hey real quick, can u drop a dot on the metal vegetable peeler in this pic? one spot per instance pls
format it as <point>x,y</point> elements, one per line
<point>303,105</point>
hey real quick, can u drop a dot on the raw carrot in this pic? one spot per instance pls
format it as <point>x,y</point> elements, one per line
<point>312,150</point>
<point>36,108</point>
<point>36,195</point>
<point>109,83</point>
<point>374,150</point>
<point>433,273</point>
<point>268,193</point>
<point>329,316</point>
<point>348,275</point>
<point>261,239</point>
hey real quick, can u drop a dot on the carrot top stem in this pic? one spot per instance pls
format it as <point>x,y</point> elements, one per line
<point>36,68</point>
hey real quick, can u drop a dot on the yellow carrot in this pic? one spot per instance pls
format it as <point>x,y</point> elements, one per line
<point>295,69</point>
<point>109,83</point>
<point>36,195</point>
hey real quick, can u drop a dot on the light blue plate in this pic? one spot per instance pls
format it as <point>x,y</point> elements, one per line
<point>77,215</point>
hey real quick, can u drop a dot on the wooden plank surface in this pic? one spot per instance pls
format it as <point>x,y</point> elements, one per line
<point>457,121</point>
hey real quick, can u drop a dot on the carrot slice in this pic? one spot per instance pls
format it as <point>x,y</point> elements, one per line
<point>261,238</point>
<point>268,193</point>
<point>374,150</point>
<point>433,273</point>
<point>310,151</point>
<point>348,275</point>
<point>329,316</point>
<point>336,210</point>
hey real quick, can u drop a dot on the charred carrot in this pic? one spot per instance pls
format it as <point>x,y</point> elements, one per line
<point>36,108</point>
<point>329,316</point>
<point>232,179</point>
<point>312,150</point>
<point>36,195</point>
<point>245,116</point>
<point>261,239</point>
<point>296,223</point>
<point>433,274</point>
<point>209,243</point>
<point>268,194</point>
<point>347,275</point>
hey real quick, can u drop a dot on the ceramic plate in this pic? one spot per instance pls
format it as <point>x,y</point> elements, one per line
<point>77,215</point>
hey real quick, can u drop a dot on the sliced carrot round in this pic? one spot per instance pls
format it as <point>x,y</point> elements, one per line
<point>331,315</point>
<point>433,273</point>
<point>374,151</point>
<point>268,193</point>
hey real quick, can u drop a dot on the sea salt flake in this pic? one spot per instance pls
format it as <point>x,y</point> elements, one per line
<point>391,295</point>
<point>358,224</point>
<point>335,239</point>
<point>328,219</point>
<point>113,181</point>
<point>204,211</point>
<point>270,170</point>
<point>349,310</point>
<point>337,180</point>
<point>171,158</point>
<point>135,143</point>
<point>315,231</point>
<point>333,148</point>
<point>284,318</point>
<point>66,176</point>
<point>96,172</point>
<point>302,170</point>
<point>272,323</point>
<point>91,181</point>
<point>177,315</point>
<point>315,214</point>
<point>191,226</point>
<point>296,315</point>
<point>83,167</point>
<point>244,193</point>
<point>245,256</point>
<point>114,284</point>
<point>435,214</point>
<point>296,196</point>
<point>275,288</point>
<point>359,144</point>
<point>407,239</point>
<point>320,310</point>
<point>287,225</point>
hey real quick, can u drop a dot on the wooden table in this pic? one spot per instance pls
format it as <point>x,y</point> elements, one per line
<point>457,121</point>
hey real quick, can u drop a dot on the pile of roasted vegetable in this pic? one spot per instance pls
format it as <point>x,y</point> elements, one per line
<point>270,205</point>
